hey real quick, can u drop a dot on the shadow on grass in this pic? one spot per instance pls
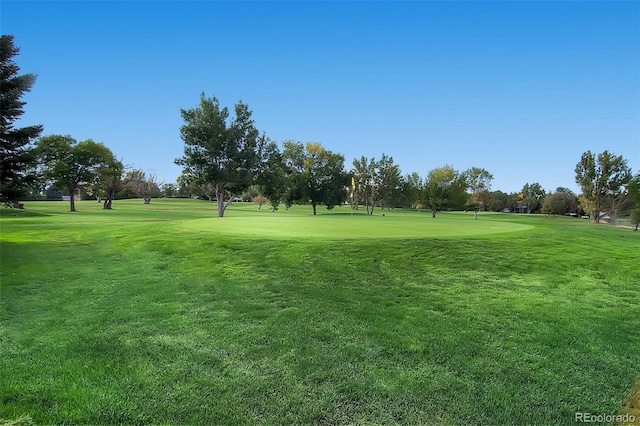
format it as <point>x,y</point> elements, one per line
<point>12,212</point>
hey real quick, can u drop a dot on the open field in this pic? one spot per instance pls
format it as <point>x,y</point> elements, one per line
<point>166,314</point>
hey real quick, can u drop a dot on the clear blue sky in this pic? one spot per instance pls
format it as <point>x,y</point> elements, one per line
<point>519,88</point>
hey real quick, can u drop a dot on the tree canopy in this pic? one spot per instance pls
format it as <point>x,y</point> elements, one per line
<point>603,179</point>
<point>377,182</point>
<point>445,188</point>
<point>68,164</point>
<point>533,196</point>
<point>561,202</point>
<point>225,154</point>
<point>479,182</point>
<point>275,180</point>
<point>108,180</point>
<point>317,174</point>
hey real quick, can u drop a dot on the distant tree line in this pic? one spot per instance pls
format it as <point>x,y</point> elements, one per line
<point>227,159</point>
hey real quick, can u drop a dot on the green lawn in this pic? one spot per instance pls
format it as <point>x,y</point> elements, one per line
<point>165,314</point>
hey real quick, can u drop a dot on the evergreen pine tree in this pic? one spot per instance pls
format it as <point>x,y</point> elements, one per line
<point>16,154</point>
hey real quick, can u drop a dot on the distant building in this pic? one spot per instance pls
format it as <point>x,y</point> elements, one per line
<point>521,208</point>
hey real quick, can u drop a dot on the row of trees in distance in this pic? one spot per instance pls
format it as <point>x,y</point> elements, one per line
<point>229,156</point>
<point>226,158</point>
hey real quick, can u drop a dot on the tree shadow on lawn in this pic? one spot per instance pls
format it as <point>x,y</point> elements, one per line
<point>17,213</point>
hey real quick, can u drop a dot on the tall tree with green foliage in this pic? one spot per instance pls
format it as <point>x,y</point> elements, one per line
<point>602,179</point>
<point>499,201</point>
<point>318,174</point>
<point>445,189</point>
<point>479,181</point>
<point>411,189</point>
<point>363,174</point>
<point>634,201</point>
<point>275,177</point>
<point>226,154</point>
<point>17,157</point>
<point>69,164</point>
<point>387,181</point>
<point>533,196</point>
<point>109,180</point>
<point>378,182</point>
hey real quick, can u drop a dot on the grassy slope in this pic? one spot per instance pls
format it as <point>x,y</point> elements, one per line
<point>160,314</point>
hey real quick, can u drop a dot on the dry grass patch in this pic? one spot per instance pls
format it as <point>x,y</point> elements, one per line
<point>631,405</point>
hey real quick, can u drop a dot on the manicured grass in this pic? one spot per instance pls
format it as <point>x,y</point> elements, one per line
<point>166,314</point>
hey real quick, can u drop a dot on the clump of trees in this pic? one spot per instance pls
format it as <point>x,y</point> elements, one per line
<point>607,183</point>
<point>226,157</point>
<point>49,165</point>
<point>68,164</point>
<point>561,202</point>
<point>317,175</point>
<point>445,189</point>
<point>375,182</point>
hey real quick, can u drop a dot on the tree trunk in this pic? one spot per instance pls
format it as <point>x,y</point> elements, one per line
<point>147,200</point>
<point>72,200</point>
<point>433,213</point>
<point>314,208</point>
<point>475,214</point>
<point>220,202</point>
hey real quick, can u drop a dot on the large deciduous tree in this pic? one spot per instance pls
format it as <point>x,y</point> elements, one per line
<point>387,180</point>
<point>532,196</point>
<point>377,182</point>
<point>226,154</point>
<point>479,181</point>
<point>108,180</point>
<point>445,188</point>
<point>275,179</point>
<point>499,201</point>
<point>69,164</point>
<point>634,201</point>
<point>603,179</point>
<point>317,174</point>
<point>561,202</point>
<point>17,157</point>
<point>363,193</point>
<point>411,190</point>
